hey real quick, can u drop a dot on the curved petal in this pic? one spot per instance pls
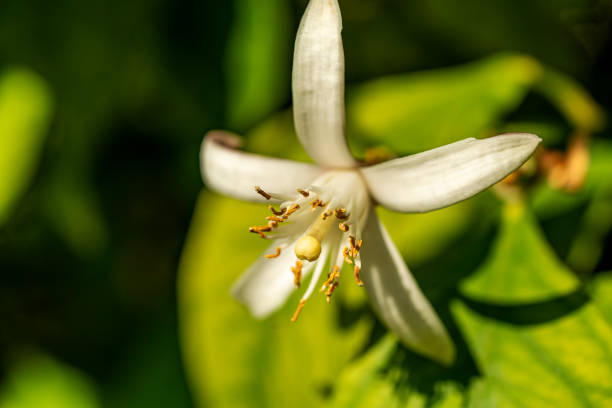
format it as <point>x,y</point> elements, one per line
<point>235,173</point>
<point>268,283</point>
<point>440,177</point>
<point>318,85</point>
<point>397,298</point>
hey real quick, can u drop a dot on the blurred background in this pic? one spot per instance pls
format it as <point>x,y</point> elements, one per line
<point>115,264</point>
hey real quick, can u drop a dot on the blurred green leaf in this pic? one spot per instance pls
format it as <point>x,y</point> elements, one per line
<point>601,291</point>
<point>421,237</point>
<point>419,111</point>
<point>588,244</point>
<point>521,266</point>
<point>25,111</point>
<point>38,381</point>
<point>232,359</point>
<point>258,60</point>
<point>563,362</point>
<point>571,99</point>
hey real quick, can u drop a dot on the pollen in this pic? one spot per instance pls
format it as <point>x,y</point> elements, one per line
<point>308,248</point>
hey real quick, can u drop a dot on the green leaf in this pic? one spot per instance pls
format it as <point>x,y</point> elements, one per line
<point>419,111</point>
<point>258,60</point>
<point>38,381</point>
<point>25,108</point>
<point>564,361</point>
<point>232,359</point>
<point>601,291</point>
<point>370,382</point>
<point>521,266</point>
<point>571,99</point>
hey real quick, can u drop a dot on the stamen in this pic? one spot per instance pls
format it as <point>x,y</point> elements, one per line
<point>274,255</point>
<point>357,277</point>
<point>341,213</point>
<point>343,227</point>
<point>316,203</point>
<point>303,192</point>
<point>355,246</point>
<point>297,273</point>
<point>298,310</point>
<point>274,218</point>
<point>330,291</point>
<point>278,213</point>
<point>292,208</point>
<point>347,255</point>
<point>330,278</point>
<point>326,214</point>
<point>262,193</point>
<point>260,229</point>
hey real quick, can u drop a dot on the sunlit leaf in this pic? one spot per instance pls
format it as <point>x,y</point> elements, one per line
<point>564,361</point>
<point>258,60</point>
<point>232,359</point>
<point>38,381</point>
<point>418,111</point>
<point>25,107</point>
<point>521,266</point>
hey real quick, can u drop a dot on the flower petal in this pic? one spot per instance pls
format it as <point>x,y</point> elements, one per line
<point>318,85</point>
<point>440,177</point>
<point>235,173</point>
<point>268,283</point>
<point>397,298</point>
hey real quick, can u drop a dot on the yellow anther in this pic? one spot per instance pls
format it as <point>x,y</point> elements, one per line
<point>292,208</point>
<point>330,291</point>
<point>274,255</point>
<point>343,227</point>
<point>325,214</point>
<point>274,218</point>
<point>308,248</point>
<point>357,277</point>
<point>335,274</point>
<point>262,193</point>
<point>298,310</point>
<point>297,273</point>
<point>347,255</point>
<point>303,192</point>
<point>260,229</point>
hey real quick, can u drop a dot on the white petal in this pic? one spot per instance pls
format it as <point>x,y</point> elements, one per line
<point>397,297</point>
<point>235,173</point>
<point>268,283</point>
<point>440,177</point>
<point>318,85</point>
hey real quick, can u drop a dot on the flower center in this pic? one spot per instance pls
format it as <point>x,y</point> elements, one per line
<point>323,221</point>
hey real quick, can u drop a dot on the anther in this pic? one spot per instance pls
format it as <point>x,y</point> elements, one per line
<point>341,213</point>
<point>330,291</point>
<point>297,273</point>
<point>298,310</point>
<point>274,218</point>
<point>343,227</point>
<point>347,255</point>
<point>278,213</point>
<point>274,255</point>
<point>335,273</point>
<point>262,193</point>
<point>316,203</point>
<point>357,277</point>
<point>292,208</point>
<point>325,214</point>
<point>303,192</point>
<point>260,229</point>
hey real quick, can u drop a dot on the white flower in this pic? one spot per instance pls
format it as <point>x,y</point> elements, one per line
<point>327,210</point>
